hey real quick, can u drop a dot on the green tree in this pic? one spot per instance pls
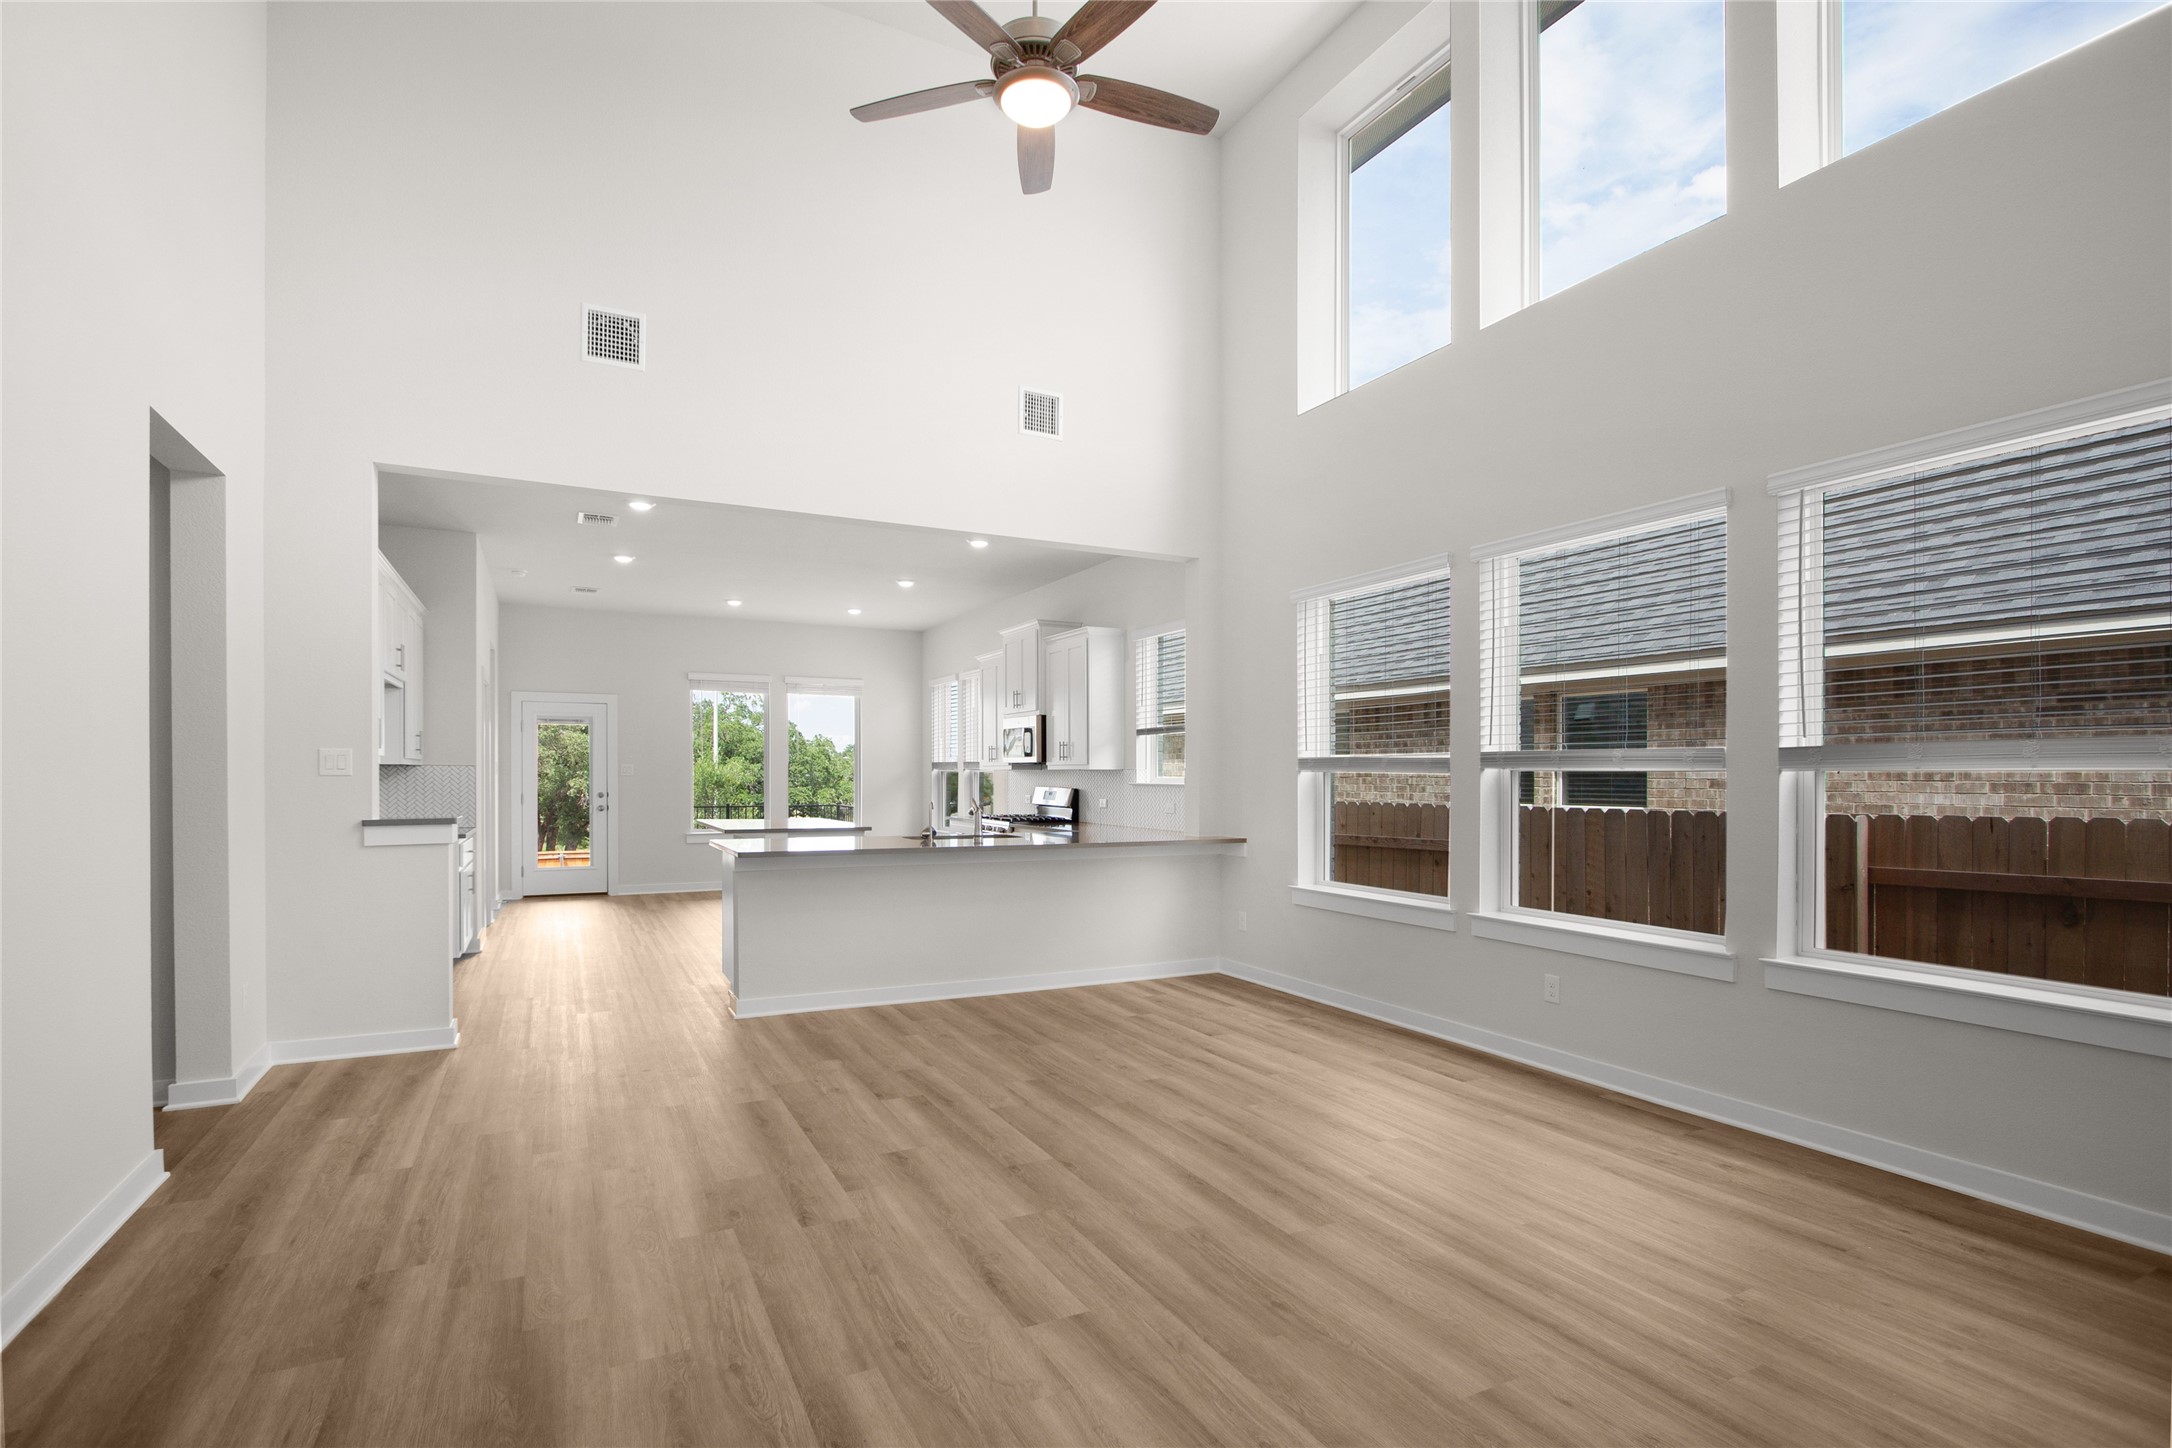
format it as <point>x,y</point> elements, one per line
<point>729,746</point>
<point>821,776</point>
<point>561,787</point>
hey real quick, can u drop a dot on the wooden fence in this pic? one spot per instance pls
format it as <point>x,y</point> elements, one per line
<point>1392,846</point>
<point>1644,866</point>
<point>2086,901</point>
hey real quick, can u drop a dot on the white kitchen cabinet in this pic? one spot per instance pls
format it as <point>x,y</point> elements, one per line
<point>1082,689</point>
<point>992,709</point>
<point>1024,646</point>
<point>399,633</point>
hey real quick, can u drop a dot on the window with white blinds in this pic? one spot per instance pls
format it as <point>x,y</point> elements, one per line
<point>1603,674</point>
<point>1373,681</point>
<point>1574,626</point>
<point>943,720</point>
<point>1372,674</point>
<point>1157,696</point>
<point>970,743</point>
<point>2015,601</point>
<point>1976,699</point>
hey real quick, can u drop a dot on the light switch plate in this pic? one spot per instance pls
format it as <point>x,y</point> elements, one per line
<point>335,761</point>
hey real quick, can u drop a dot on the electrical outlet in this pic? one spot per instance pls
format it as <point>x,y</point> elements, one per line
<point>1169,809</point>
<point>1243,921</point>
<point>1553,989</point>
<point>1101,804</point>
<point>335,761</point>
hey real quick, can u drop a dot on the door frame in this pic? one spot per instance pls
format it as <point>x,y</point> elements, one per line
<point>518,698</point>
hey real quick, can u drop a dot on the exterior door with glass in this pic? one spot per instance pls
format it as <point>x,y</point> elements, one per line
<point>564,796</point>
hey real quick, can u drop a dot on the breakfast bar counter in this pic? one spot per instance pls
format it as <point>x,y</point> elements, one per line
<point>822,922</point>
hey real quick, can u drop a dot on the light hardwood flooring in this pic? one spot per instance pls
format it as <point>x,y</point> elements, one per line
<point>1171,1212</point>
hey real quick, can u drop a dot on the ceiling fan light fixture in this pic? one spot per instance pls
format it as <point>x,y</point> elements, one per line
<point>1036,96</point>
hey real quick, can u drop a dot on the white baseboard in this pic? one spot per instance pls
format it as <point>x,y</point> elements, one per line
<point>2138,1225</point>
<point>949,990</point>
<point>27,1296</point>
<point>382,1043</point>
<point>220,1090</point>
<point>227,1090</point>
<point>699,887</point>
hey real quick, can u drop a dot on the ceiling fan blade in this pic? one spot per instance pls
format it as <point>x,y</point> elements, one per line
<point>914,102</point>
<point>1096,24</point>
<point>1036,158</point>
<point>979,26</point>
<point>1144,103</point>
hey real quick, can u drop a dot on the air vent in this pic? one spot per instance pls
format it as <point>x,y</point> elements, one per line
<point>602,520</point>
<point>617,338</point>
<point>579,588</point>
<point>1040,412</point>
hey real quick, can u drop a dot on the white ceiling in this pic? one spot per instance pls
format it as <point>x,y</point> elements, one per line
<point>1227,53</point>
<point>690,557</point>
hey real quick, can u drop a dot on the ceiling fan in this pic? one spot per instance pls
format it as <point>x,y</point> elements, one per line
<point>1037,82</point>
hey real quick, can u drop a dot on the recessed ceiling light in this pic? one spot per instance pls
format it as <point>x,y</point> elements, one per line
<point>639,506</point>
<point>518,572</point>
<point>853,611</point>
<point>731,603</point>
<point>904,583</point>
<point>977,542</point>
<point>622,558</point>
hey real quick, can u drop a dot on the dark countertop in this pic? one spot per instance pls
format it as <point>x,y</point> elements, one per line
<point>763,827</point>
<point>1089,837</point>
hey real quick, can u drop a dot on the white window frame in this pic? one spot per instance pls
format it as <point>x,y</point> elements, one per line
<point>1803,965</point>
<point>1499,917</point>
<point>1142,750</point>
<point>781,795</point>
<point>761,684</point>
<point>1435,62</point>
<point>1315,821</point>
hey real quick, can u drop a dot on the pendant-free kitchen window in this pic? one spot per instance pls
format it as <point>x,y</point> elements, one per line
<point>823,730</point>
<point>730,749</point>
<point>1157,694</point>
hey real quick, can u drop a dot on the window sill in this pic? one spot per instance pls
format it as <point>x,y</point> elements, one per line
<point>2037,1008</point>
<point>1678,951</point>
<point>1172,783</point>
<point>1403,909</point>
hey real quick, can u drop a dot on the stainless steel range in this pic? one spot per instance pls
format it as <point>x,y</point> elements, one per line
<point>1055,811</point>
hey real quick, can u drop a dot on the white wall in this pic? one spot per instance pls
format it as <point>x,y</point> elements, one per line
<point>134,279</point>
<point>644,660</point>
<point>2009,254</point>
<point>450,184</point>
<point>447,572</point>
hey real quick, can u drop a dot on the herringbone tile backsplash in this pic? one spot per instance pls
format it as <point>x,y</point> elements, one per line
<point>426,791</point>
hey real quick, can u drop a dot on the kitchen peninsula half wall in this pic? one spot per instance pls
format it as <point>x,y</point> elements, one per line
<point>824,923</point>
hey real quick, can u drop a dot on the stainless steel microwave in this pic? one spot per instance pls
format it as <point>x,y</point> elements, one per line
<point>1025,739</point>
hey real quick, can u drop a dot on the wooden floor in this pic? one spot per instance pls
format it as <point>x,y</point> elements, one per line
<point>1170,1212</point>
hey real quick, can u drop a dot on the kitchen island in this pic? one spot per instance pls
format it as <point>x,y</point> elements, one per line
<point>821,922</point>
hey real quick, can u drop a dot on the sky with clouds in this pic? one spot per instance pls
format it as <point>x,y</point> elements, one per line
<point>1632,138</point>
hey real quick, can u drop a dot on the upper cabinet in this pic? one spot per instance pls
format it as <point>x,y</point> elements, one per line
<point>399,668</point>
<point>1082,693</point>
<point>1023,649</point>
